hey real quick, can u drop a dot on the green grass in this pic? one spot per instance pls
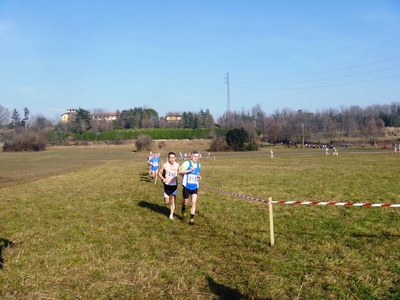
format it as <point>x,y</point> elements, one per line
<point>87,224</point>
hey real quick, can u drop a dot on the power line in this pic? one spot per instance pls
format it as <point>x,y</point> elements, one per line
<point>336,70</point>
<point>330,78</point>
<point>331,85</point>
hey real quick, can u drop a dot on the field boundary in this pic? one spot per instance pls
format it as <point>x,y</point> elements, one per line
<point>330,203</point>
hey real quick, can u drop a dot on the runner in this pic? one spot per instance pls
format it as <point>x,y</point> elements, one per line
<point>190,171</point>
<point>154,162</point>
<point>168,174</point>
<point>148,163</point>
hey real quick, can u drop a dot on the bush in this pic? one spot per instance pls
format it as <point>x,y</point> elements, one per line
<point>252,147</point>
<point>155,133</point>
<point>236,138</point>
<point>144,142</point>
<point>26,142</point>
<point>218,144</point>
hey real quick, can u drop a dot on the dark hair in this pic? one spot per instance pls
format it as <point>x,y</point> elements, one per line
<point>173,153</point>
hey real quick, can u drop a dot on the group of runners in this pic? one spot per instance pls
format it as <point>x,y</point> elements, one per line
<point>168,174</point>
<point>185,156</point>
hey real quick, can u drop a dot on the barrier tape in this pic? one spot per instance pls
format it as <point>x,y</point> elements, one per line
<point>304,202</point>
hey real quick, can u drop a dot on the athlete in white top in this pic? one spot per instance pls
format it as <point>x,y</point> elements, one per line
<point>168,174</point>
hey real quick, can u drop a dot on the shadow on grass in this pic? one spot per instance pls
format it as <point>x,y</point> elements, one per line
<point>145,177</point>
<point>4,243</point>
<point>224,292</point>
<point>155,207</point>
<point>384,234</point>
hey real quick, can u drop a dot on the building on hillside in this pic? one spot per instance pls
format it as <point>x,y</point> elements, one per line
<point>108,117</point>
<point>68,116</point>
<point>173,118</point>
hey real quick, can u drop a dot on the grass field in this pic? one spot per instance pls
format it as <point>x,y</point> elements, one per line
<point>88,224</point>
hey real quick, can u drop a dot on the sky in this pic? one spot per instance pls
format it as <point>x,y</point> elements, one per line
<point>175,56</point>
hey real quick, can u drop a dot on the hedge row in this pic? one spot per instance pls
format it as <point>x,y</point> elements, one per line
<point>155,133</point>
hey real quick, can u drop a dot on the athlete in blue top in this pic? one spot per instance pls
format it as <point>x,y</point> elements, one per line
<point>190,171</point>
<point>154,162</point>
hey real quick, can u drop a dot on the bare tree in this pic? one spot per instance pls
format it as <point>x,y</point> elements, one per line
<point>4,116</point>
<point>98,110</point>
<point>330,129</point>
<point>372,130</point>
<point>380,126</point>
<point>274,132</point>
<point>40,122</point>
<point>249,127</point>
<point>208,119</point>
<point>258,116</point>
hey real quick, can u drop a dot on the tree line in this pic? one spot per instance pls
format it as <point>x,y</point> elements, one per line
<point>287,125</point>
<point>284,125</point>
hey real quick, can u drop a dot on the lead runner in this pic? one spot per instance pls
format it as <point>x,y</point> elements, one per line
<point>190,170</point>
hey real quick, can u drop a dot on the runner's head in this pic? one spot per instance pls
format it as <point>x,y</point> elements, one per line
<point>194,155</point>
<point>171,157</point>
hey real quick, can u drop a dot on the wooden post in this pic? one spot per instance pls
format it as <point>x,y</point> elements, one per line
<point>271,221</point>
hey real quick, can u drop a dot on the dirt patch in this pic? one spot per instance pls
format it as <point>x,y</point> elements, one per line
<point>185,145</point>
<point>392,131</point>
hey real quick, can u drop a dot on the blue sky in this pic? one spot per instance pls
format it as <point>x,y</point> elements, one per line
<point>173,56</point>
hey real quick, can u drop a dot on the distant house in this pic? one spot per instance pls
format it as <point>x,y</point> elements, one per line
<point>173,118</point>
<point>103,116</point>
<point>69,115</point>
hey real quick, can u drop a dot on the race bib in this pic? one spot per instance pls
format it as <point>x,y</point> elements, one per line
<point>192,178</point>
<point>171,176</point>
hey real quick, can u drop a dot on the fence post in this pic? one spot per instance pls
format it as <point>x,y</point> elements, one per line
<point>271,221</point>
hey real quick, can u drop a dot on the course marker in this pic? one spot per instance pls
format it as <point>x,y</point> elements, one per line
<point>304,202</point>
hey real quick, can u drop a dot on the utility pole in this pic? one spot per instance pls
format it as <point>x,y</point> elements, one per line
<point>228,101</point>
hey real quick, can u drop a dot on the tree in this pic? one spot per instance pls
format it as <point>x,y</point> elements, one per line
<point>258,116</point>
<point>82,121</point>
<point>330,130</point>
<point>26,117</point>
<point>150,118</point>
<point>372,130</point>
<point>15,119</point>
<point>274,132</point>
<point>4,116</point>
<point>235,138</point>
<point>39,122</point>
<point>137,117</point>
<point>208,120</point>
<point>196,123</point>
<point>190,120</point>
